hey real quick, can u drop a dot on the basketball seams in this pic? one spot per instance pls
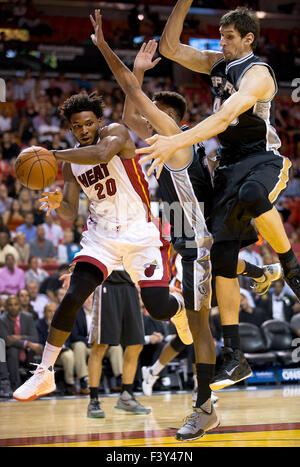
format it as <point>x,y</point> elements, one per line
<point>41,167</point>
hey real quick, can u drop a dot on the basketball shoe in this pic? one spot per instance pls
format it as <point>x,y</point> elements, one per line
<point>94,410</point>
<point>148,380</point>
<point>272,272</point>
<point>180,321</point>
<point>235,368</point>
<point>128,403</point>
<point>199,422</point>
<point>41,383</point>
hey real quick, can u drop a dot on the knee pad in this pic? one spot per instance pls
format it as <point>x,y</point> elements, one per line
<point>159,304</point>
<point>84,280</point>
<point>224,259</point>
<point>177,344</point>
<point>253,196</point>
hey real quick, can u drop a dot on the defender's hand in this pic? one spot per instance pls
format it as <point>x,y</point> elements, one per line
<point>161,149</point>
<point>98,36</point>
<point>143,60</point>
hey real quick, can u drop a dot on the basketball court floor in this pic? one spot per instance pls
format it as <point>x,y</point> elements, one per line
<point>250,417</point>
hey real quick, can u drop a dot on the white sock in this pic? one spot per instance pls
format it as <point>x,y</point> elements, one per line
<point>50,355</point>
<point>156,368</point>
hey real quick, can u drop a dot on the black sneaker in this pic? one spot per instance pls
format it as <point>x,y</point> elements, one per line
<point>235,368</point>
<point>94,410</point>
<point>292,278</point>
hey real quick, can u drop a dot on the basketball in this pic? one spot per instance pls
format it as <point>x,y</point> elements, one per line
<point>36,167</point>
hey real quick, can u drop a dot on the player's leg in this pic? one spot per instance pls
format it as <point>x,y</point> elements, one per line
<point>224,256</point>
<point>150,374</point>
<point>95,371</point>
<point>262,277</point>
<point>85,278</point>
<point>270,226</point>
<point>133,337</point>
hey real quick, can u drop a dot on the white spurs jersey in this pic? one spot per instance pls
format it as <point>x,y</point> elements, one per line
<point>117,191</point>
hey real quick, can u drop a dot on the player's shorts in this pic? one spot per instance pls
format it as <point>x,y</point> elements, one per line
<point>195,276</point>
<point>228,222</point>
<point>137,246</point>
<point>116,316</point>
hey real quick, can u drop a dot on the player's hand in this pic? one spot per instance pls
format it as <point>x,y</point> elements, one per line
<point>143,60</point>
<point>161,149</point>
<point>98,36</point>
<point>50,200</point>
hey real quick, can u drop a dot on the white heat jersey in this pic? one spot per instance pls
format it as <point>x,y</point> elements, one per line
<point>117,191</point>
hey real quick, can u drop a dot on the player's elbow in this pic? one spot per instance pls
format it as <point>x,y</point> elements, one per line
<point>165,49</point>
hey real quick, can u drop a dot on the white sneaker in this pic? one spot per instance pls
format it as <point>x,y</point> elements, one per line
<point>272,272</point>
<point>148,380</point>
<point>180,321</point>
<point>41,383</point>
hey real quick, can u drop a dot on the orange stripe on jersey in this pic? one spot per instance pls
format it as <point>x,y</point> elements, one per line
<point>138,181</point>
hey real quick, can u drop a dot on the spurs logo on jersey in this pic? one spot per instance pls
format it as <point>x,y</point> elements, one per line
<point>252,131</point>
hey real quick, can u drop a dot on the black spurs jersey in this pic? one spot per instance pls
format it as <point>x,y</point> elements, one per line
<point>252,131</point>
<point>187,196</point>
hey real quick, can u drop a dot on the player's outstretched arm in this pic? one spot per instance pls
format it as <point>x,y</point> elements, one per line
<point>187,56</point>
<point>132,117</point>
<point>257,84</point>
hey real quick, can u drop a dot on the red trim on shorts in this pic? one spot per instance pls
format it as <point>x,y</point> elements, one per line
<point>139,183</point>
<point>94,261</point>
<point>161,283</point>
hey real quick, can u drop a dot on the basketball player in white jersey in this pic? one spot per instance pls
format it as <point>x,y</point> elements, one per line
<point>251,173</point>
<point>119,231</point>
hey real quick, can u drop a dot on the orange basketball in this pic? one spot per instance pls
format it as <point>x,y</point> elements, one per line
<point>36,167</point>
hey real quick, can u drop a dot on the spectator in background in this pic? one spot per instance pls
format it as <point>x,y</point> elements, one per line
<point>277,304</point>
<point>26,200</point>
<point>5,169</point>
<point>53,231</point>
<point>42,247</point>
<point>5,388</point>
<point>79,343</point>
<point>6,248</point>
<point>37,300</point>
<point>22,247</point>
<point>21,337</point>
<point>11,277</point>
<point>68,248</point>
<point>10,149</point>
<point>66,356</point>
<point>5,200</point>
<point>5,120</point>
<point>251,314</point>
<point>53,283</point>
<point>13,217</point>
<point>25,304</point>
<point>35,273</point>
<point>28,227</point>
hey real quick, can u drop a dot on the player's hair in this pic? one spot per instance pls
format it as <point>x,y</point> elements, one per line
<point>82,102</point>
<point>172,99</point>
<point>245,21</point>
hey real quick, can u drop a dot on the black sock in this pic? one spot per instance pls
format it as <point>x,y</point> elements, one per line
<point>128,388</point>
<point>252,271</point>
<point>205,373</point>
<point>231,336</point>
<point>288,260</point>
<point>94,393</point>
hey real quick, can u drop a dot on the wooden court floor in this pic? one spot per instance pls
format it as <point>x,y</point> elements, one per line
<point>249,418</point>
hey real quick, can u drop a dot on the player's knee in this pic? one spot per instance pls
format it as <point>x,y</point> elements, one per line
<point>254,197</point>
<point>157,302</point>
<point>224,258</point>
<point>177,344</point>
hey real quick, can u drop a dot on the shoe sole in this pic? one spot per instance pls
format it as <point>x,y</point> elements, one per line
<point>35,396</point>
<point>96,416</point>
<point>227,382</point>
<point>133,413</point>
<point>181,438</point>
